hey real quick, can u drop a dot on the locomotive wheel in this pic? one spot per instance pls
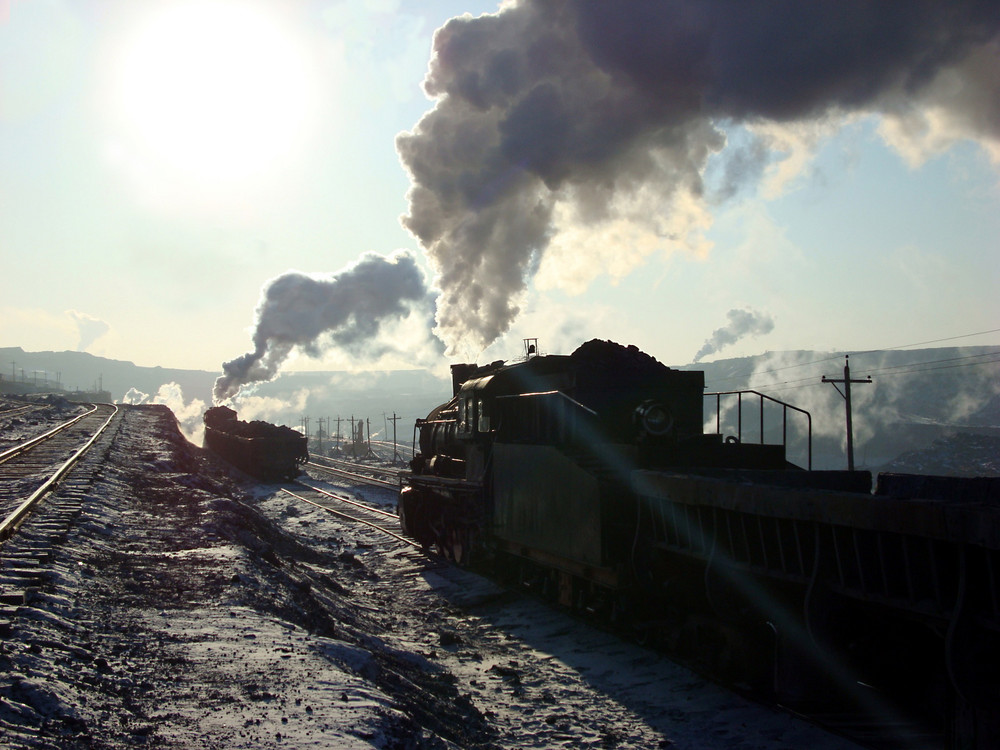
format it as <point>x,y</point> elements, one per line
<point>459,551</point>
<point>403,525</point>
<point>413,518</point>
<point>405,510</point>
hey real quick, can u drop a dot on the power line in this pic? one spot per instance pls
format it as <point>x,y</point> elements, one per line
<point>944,367</point>
<point>905,366</point>
<point>752,373</point>
<point>791,385</point>
<point>934,341</point>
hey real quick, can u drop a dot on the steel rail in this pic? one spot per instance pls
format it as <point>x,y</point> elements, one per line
<point>352,475</point>
<point>348,465</point>
<point>28,444</point>
<point>13,522</point>
<point>341,498</point>
<point>349,517</point>
<point>16,409</point>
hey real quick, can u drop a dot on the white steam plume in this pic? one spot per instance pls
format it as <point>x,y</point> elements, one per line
<point>88,327</point>
<point>563,118</point>
<point>349,310</point>
<point>741,323</point>
<point>270,408</point>
<point>135,397</point>
<point>188,413</point>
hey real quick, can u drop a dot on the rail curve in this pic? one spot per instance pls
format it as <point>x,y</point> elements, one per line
<point>41,462</point>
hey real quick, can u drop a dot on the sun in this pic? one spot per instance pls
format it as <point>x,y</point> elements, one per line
<point>213,92</point>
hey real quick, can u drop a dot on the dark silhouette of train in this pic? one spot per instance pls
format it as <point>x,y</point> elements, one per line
<point>591,477</point>
<point>266,451</point>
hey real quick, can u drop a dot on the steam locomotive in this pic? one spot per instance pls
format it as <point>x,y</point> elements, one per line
<point>537,457</point>
<point>592,477</point>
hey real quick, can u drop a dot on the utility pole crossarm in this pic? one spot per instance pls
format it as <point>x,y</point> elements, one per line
<point>846,395</point>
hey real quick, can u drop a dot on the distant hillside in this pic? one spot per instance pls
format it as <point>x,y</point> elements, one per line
<point>962,454</point>
<point>915,398</point>
<point>79,371</point>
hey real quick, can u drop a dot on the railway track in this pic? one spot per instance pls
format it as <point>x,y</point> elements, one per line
<point>350,509</point>
<point>30,470</point>
<point>377,476</point>
<point>7,409</point>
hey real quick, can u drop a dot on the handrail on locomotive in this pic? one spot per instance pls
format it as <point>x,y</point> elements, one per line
<point>763,398</point>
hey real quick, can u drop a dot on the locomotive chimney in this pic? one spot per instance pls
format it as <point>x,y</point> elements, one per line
<point>459,374</point>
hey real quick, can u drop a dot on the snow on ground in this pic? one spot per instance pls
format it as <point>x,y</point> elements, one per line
<point>48,412</point>
<point>190,609</point>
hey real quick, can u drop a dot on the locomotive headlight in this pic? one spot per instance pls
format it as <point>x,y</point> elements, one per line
<point>654,418</point>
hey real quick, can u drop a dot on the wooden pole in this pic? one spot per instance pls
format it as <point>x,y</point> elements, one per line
<point>846,393</point>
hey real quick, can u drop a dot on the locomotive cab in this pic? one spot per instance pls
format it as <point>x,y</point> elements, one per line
<point>456,438</point>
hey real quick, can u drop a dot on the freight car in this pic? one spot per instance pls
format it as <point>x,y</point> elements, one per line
<point>591,476</point>
<point>263,450</point>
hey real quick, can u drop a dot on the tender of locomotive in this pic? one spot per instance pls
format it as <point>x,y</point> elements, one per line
<point>592,476</point>
<point>263,450</point>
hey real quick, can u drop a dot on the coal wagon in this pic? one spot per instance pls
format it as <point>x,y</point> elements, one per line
<point>266,451</point>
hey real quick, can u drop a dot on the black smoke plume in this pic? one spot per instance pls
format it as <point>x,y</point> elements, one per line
<point>565,114</point>
<point>348,310</point>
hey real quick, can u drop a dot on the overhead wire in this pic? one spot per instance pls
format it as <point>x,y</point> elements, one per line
<point>809,380</point>
<point>933,341</point>
<point>885,372</point>
<point>909,366</point>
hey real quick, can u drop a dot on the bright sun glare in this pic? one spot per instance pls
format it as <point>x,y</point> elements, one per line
<point>212,91</point>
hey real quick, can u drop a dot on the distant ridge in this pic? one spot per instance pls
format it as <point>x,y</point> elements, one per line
<point>87,372</point>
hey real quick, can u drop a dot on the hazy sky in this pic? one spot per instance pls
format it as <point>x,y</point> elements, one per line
<point>700,179</point>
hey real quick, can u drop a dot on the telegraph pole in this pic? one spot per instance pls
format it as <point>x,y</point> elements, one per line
<point>319,434</point>
<point>395,453</point>
<point>846,393</point>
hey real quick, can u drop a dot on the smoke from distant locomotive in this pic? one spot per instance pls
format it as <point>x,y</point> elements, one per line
<point>741,323</point>
<point>348,310</point>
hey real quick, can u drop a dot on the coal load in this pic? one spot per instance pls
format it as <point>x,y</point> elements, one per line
<point>611,379</point>
<point>267,451</point>
<point>617,360</point>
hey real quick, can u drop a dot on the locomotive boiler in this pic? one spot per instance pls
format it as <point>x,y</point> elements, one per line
<point>592,477</point>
